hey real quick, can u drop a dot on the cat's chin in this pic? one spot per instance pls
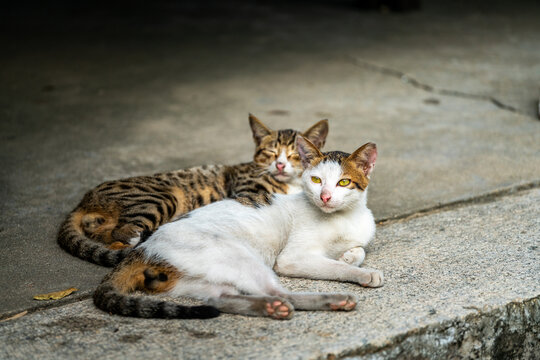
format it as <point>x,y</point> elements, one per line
<point>327,208</point>
<point>283,177</point>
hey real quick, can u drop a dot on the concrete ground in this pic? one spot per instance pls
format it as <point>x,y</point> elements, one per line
<point>453,279</point>
<point>449,94</point>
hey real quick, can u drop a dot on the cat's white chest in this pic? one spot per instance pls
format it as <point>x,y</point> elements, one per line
<point>359,228</point>
<point>330,236</point>
<point>343,233</point>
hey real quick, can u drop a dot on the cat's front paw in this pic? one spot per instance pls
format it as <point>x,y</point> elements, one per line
<point>372,278</point>
<point>354,256</point>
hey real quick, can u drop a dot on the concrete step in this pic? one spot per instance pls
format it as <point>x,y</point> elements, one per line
<point>461,283</point>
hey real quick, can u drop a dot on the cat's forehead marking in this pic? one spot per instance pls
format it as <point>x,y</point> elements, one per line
<point>287,137</point>
<point>335,156</point>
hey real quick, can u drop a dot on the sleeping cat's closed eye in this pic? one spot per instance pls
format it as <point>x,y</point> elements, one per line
<point>270,152</point>
<point>294,157</point>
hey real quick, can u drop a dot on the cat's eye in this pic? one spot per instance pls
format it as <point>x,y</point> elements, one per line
<point>344,182</point>
<point>293,157</point>
<point>316,180</point>
<point>269,152</point>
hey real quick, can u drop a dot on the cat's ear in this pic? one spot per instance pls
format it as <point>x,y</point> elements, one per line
<point>364,158</point>
<point>317,133</point>
<point>307,151</point>
<point>258,129</point>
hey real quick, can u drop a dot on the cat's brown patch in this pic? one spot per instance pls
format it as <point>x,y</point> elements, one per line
<point>117,245</point>
<point>136,272</point>
<point>359,165</point>
<point>351,171</point>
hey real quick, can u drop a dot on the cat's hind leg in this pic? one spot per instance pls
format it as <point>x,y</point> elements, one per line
<point>321,301</point>
<point>270,306</point>
<point>238,266</point>
<point>228,296</point>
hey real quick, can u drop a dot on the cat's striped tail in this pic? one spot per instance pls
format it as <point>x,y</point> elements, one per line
<point>108,299</point>
<point>114,294</point>
<point>72,239</point>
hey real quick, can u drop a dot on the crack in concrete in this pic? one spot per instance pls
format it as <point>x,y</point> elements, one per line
<point>51,304</point>
<point>406,79</point>
<point>452,205</point>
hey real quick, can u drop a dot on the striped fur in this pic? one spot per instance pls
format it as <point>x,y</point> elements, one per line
<point>107,223</point>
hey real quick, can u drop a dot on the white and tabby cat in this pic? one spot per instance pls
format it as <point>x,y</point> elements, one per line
<point>225,253</point>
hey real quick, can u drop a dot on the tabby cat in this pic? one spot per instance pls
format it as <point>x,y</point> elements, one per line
<point>107,223</point>
<point>224,253</point>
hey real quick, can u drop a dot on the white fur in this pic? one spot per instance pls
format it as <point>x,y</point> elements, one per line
<point>226,248</point>
<point>295,185</point>
<point>135,240</point>
<point>354,256</point>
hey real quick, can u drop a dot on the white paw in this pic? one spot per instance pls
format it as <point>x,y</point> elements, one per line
<point>134,241</point>
<point>372,278</point>
<point>344,302</point>
<point>354,256</point>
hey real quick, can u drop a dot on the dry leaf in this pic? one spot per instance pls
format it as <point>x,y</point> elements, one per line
<point>55,295</point>
<point>16,316</point>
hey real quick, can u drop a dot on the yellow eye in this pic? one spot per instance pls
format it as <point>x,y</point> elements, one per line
<point>344,182</point>
<point>316,180</point>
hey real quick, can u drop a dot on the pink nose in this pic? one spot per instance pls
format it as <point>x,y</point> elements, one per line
<point>325,197</point>
<point>280,166</point>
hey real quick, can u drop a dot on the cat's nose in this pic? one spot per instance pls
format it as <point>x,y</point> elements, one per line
<point>280,166</point>
<point>325,197</point>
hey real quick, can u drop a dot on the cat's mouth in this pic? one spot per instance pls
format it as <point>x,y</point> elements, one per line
<point>282,176</point>
<point>327,208</point>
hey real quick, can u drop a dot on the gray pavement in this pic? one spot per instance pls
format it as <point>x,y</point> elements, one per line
<point>447,93</point>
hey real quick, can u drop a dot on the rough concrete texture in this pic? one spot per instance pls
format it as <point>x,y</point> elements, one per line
<point>89,95</point>
<point>459,283</point>
<point>100,92</point>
